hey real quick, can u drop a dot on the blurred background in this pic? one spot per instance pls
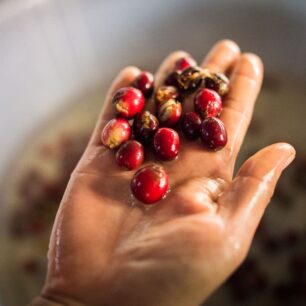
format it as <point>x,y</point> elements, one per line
<point>57,59</point>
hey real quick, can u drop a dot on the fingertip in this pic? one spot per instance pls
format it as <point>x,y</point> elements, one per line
<point>229,44</point>
<point>282,148</point>
<point>222,56</point>
<point>127,73</point>
<point>168,65</point>
<point>250,65</point>
<point>275,157</point>
<point>285,146</point>
<point>289,153</point>
<point>124,78</point>
<point>178,54</point>
<point>169,62</point>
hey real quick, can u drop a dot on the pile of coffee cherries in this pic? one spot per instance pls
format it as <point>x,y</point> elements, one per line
<point>135,128</point>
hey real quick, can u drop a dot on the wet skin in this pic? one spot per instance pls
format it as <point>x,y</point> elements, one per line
<point>108,250</point>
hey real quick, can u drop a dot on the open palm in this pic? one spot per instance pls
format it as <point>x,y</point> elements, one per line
<point>107,249</point>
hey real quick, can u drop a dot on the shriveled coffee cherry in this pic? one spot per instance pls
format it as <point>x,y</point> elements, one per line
<point>207,103</point>
<point>115,133</point>
<point>172,79</point>
<point>191,78</point>
<point>150,184</point>
<point>169,113</point>
<point>130,155</point>
<point>166,93</point>
<point>218,82</point>
<point>145,83</point>
<point>191,125</point>
<point>166,144</point>
<point>180,65</point>
<point>128,102</point>
<point>144,126</point>
<point>213,134</point>
<point>184,62</point>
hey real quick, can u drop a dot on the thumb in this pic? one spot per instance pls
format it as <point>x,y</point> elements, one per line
<point>250,192</point>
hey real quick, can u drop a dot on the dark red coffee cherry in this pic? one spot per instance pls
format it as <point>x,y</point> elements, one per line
<point>184,62</point>
<point>130,155</point>
<point>144,126</point>
<point>172,79</point>
<point>191,125</point>
<point>213,134</point>
<point>145,83</point>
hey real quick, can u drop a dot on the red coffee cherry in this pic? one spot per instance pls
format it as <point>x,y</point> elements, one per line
<point>130,155</point>
<point>116,132</point>
<point>128,102</point>
<point>150,184</point>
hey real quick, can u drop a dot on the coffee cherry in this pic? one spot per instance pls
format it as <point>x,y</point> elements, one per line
<point>172,79</point>
<point>169,113</point>
<point>213,134</point>
<point>207,103</point>
<point>191,78</point>
<point>115,133</point>
<point>130,155</point>
<point>166,93</point>
<point>217,81</point>
<point>166,144</point>
<point>128,102</point>
<point>150,184</point>
<point>191,125</point>
<point>145,83</point>
<point>184,62</point>
<point>144,126</point>
<point>180,65</point>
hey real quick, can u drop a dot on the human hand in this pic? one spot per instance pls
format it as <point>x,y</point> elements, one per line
<point>105,251</point>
